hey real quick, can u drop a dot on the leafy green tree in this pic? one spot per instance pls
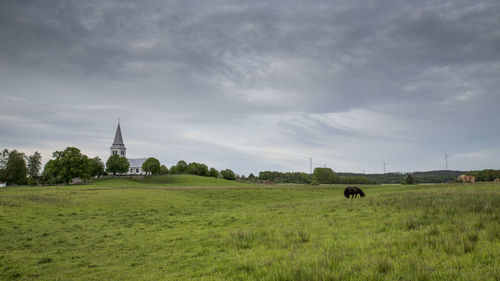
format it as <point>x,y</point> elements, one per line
<point>50,173</point>
<point>181,167</point>
<point>151,166</point>
<point>192,168</point>
<point>173,170</point>
<point>68,164</point>
<point>34,166</point>
<point>197,169</point>
<point>213,173</point>
<point>15,170</point>
<point>324,175</point>
<point>96,167</point>
<point>4,158</point>
<point>163,170</point>
<point>117,165</point>
<point>410,180</point>
<point>228,174</point>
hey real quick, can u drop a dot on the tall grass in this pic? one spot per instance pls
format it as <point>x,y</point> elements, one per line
<point>136,230</point>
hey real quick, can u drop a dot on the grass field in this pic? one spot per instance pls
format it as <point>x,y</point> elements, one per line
<point>191,228</point>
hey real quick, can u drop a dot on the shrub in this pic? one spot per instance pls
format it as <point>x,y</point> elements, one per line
<point>228,174</point>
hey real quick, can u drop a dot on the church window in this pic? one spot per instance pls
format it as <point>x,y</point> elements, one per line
<point>122,152</point>
<point>114,152</point>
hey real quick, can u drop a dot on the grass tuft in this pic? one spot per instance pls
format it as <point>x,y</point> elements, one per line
<point>383,265</point>
<point>45,260</point>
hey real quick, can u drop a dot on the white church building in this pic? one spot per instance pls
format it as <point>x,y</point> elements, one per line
<point>118,148</point>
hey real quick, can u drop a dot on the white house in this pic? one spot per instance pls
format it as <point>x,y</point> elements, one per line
<point>118,148</point>
<point>3,184</point>
<point>136,166</point>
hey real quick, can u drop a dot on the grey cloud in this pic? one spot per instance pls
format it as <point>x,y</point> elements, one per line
<point>170,65</point>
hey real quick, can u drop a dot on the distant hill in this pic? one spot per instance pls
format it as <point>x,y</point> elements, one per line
<point>421,177</point>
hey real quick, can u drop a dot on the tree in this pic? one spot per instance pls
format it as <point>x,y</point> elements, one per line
<point>117,165</point>
<point>173,170</point>
<point>228,174</point>
<point>163,170</point>
<point>324,175</point>
<point>213,173</point>
<point>197,169</point>
<point>181,167</point>
<point>96,167</point>
<point>4,158</point>
<point>50,173</point>
<point>34,166</point>
<point>68,164</point>
<point>192,168</point>
<point>151,166</point>
<point>15,170</point>
<point>410,180</point>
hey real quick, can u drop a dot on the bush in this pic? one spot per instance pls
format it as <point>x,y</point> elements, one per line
<point>228,174</point>
<point>410,180</point>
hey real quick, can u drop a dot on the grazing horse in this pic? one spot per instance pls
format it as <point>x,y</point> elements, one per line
<point>466,178</point>
<point>354,191</point>
<point>497,180</point>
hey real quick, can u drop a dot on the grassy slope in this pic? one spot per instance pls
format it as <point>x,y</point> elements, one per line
<point>128,230</point>
<point>167,181</point>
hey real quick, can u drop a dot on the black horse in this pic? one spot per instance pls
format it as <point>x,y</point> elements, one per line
<point>354,191</point>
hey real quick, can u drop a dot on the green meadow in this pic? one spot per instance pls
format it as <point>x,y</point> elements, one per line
<point>193,228</point>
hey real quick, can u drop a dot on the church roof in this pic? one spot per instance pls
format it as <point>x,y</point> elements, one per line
<point>136,162</point>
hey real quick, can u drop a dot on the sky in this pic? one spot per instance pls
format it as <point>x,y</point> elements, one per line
<point>256,85</point>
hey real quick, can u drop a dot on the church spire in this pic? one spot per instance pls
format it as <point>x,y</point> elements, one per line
<point>118,147</point>
<point>118,136</point>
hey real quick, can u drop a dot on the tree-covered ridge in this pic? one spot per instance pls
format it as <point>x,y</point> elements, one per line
<point>439,176</point>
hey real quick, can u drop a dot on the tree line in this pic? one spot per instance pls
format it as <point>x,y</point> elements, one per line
<point>319,176</point>
<point>16,168</point>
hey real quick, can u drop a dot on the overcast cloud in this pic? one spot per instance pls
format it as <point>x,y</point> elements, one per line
<point>256,85</point>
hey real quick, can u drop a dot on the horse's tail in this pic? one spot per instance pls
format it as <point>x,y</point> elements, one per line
<point>346,192</point>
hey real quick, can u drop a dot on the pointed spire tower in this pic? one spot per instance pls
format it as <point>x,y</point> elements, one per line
<point>118,147</point>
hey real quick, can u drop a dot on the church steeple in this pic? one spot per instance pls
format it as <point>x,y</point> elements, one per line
<point>118,136</point>
<point>118,147</point>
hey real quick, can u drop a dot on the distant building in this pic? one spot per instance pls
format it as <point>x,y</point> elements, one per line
<point>3,184</point>
<point>118,148</point>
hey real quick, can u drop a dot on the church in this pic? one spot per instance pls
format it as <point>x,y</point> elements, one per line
<point>118,148</point>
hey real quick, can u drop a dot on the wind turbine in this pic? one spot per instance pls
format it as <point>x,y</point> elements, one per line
<point>446,159</point>
<point>310,165</point>
<point>385,163</point>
